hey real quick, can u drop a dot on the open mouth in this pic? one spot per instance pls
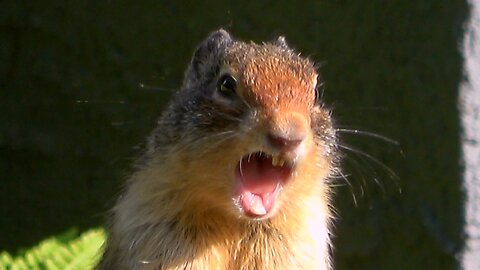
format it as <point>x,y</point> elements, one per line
<point>260,178</point>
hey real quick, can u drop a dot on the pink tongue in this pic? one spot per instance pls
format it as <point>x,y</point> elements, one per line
<point>259,176</point>
<point>257,182</point>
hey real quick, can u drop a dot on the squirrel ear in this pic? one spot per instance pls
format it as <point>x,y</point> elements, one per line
<point>214,45</point>
<point>281,42</point>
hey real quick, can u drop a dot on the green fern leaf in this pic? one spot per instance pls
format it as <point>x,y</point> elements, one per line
<point>68,251</point>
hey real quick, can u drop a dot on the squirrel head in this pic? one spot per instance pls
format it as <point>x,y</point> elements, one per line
<point>250,127</point>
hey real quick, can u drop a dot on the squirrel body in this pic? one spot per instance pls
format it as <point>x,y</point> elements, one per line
<point>235,175</point>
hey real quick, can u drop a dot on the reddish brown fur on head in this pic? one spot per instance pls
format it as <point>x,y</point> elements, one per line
<point>276,82</point>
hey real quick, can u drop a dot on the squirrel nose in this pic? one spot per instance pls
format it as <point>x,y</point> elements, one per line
<point>284,143</point>
<point>288,133</point>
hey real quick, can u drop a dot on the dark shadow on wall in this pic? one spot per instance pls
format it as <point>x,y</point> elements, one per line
<point>73,112</point>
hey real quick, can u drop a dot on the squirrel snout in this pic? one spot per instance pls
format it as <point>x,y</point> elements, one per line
<point>284,143</point>
<point>288,133</point>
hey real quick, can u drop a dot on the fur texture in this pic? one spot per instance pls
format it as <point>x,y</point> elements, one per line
<point>177,210</point>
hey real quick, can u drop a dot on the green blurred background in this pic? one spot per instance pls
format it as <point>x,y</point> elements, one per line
<point>73,114</point>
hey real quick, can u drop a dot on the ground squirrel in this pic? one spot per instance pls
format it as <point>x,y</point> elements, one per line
<point>235,175</point>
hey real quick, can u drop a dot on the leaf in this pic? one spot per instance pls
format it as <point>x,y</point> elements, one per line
<point>68,251</point>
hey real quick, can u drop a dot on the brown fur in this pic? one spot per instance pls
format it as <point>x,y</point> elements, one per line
<point>177,211</point>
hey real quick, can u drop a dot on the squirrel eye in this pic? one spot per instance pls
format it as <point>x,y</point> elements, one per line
<point>227,85</point>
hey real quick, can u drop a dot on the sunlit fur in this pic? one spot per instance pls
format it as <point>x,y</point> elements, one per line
<point>177,211</point>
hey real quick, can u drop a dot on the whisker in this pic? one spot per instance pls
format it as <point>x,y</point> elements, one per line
<point>381,186</point>
<point>319,92</point>
<point>358,167</point>
<point>352,191</point>
<point>189,143</point>
<point>221,133</point>
<point>229,117</point>
<point>248,105</point>
<point>367,165</point>
<point>156,88</point>
<point>226,136</point>
<point>218,142</point>
<point>97,101</point>
<point>362,192</point>
<point>362,109</point>
<point>368,134</point>
<point>391,173</point>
